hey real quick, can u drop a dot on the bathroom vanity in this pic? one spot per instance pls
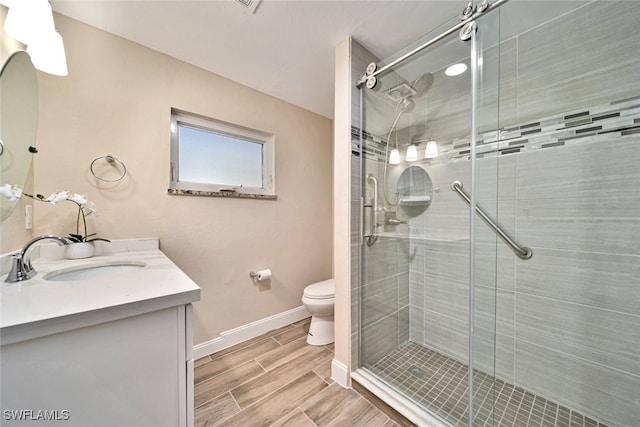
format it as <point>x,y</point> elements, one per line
<point>103,341</point>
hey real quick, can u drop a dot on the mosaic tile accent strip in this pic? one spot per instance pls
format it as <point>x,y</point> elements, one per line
<point>440,384</point>
<point>600,123</point>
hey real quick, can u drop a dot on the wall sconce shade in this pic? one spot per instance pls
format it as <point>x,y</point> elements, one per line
<point>412,153</point>
<point>48,55</point>
<point>431,151</point>
<point>394,157</point>
<point>31,22</point>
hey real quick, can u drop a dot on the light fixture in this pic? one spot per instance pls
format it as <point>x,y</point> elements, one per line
<point>28,20</point>
<point>394,157</point>
<point>48,55</point>
<point>31,22</point>
<point>431,151</point>
<point>412,153</point>
<point>456,69</point>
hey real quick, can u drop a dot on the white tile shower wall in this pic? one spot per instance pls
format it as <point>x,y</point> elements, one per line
<point>575,301</point>
<point>567,320</point>
<point>595,47</point>
<point>575,297</point>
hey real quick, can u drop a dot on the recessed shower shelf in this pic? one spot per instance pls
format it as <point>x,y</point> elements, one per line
<point>425,238</point>
<point>415,200</point>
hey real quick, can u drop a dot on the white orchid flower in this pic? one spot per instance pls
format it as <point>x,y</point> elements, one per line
<point>88,209</point>
<point>81,200</point>
<point>58,197</point>
<point>11,192</point>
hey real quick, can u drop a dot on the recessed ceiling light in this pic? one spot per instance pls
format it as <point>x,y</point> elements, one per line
<point>456,69</point>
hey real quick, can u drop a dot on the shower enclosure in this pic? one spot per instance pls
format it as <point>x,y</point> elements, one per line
<point>497,187</point>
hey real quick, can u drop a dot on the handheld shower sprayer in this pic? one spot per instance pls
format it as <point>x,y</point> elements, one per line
<point>420,87</point>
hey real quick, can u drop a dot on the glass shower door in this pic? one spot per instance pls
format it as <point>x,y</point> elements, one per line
<point>568,318</point>
<point>415,277</point>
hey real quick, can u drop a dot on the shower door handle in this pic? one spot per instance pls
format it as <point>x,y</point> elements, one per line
<point>372,238</point>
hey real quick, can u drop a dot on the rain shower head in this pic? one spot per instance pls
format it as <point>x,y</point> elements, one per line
<point>422,84</point>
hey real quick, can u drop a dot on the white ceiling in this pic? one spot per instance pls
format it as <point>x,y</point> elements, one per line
<point>285,49</point>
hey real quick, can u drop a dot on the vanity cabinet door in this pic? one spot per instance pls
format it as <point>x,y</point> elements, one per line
<point>128,372</point>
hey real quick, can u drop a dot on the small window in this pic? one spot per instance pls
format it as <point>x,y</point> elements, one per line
<point>212,156</point>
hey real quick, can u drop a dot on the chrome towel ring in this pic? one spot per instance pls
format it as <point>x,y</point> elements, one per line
<point>112,161</point>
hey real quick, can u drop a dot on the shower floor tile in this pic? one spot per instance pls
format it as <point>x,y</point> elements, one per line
<point>440,384</point>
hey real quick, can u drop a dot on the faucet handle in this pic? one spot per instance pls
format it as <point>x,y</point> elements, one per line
<point>17,272</point>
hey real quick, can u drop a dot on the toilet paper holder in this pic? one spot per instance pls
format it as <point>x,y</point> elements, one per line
<point>260,274</point>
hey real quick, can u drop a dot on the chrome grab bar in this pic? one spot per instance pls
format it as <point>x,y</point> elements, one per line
<point>522,252</point>
<point>372,238</point>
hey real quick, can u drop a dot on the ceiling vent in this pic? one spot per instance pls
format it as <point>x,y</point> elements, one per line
<point>250,5</point>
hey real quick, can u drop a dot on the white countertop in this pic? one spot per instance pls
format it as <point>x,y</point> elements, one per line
<point>39,307</point>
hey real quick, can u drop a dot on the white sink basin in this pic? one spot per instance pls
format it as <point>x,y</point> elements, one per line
<point>92,271</point>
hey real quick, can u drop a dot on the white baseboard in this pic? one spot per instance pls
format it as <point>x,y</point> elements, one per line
<point>340,373</point>
<point>237,335</point>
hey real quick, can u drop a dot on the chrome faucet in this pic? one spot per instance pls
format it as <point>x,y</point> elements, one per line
<point>21,268</point>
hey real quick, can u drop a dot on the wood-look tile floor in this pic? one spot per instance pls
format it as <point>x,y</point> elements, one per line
<point>277,379</point>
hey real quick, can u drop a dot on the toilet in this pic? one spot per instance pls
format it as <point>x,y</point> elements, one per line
<point>319,299</point>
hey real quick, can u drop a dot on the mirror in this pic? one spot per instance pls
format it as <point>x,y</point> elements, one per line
<point>18,123</point>
<point>415,190</point>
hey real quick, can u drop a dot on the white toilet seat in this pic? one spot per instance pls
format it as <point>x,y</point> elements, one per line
<point>320,290</point>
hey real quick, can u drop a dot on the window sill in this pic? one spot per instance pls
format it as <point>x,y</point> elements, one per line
<point>225,194</point>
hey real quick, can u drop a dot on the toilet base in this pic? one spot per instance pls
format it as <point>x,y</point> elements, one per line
<point>320,330</point>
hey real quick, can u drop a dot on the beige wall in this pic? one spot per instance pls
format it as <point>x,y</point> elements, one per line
<point>117,100</point>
